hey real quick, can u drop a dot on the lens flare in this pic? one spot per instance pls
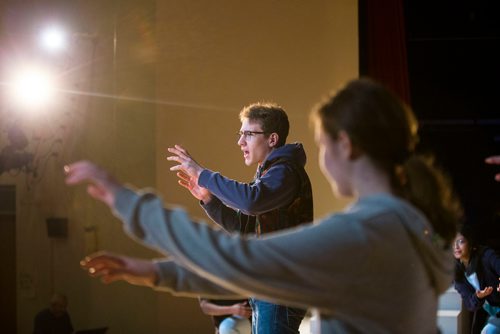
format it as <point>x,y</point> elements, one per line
<point>53,39</point>
<point>32,87</point>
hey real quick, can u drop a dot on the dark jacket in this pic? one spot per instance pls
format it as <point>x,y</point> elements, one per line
<point>279,197</point>
<point>488,273</point>
<point>46,323</point>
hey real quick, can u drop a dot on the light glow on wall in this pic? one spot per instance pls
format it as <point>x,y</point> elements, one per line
<point>53,39</point>
<point>32,87</point>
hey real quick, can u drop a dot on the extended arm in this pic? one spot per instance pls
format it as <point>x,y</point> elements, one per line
<point>229,219</point>
<point>161,275</point>
<point>239,309</point>
<point>289,267</point>
<point>275,189</point>
<point>471,301</point>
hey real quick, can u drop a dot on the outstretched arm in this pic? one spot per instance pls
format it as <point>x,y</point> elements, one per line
<point>278,187</point>
<point>240,309</point>
<point>114,267</point>
<point>161,275</point>
<point>287,267</point>
<point>227,218</point>
<point>101,185</point>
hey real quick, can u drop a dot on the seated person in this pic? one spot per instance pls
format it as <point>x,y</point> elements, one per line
<point>54,319</point>
<point>228,316</point>
<point>477,273</point>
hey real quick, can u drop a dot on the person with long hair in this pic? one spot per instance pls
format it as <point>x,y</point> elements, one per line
<point>477,274</point>
<point>378,266</point>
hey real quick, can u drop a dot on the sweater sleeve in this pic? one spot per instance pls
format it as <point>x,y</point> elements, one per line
<point>286,267</point>
<point>275,189</point>
<point>181,282</point>
<point>468,294</point>
<point>224,216</point>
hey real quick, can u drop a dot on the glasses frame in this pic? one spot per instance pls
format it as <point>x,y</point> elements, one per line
<point>248,135</point>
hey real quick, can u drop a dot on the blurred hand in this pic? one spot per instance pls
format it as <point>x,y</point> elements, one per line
<point>113,267</point>
<point>102,185</point>
<point>200,193</point>
<point>242,310</point>
<point>186,163</point>
<point>494,160</point>
<point>484,293</point>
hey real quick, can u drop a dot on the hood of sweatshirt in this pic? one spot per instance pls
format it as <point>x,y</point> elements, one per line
<point>435,255</point>
<point>293,152</point>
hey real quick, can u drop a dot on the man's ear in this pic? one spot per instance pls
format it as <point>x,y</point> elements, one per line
<point>273,139</point>
<point>349,150</point>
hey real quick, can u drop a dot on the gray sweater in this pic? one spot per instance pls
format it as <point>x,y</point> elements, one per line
<point>377,267</point>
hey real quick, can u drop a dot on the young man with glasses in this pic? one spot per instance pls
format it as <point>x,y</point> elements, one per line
<point>279,196</point>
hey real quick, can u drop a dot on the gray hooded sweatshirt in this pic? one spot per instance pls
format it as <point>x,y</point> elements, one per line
<point>376,267</point>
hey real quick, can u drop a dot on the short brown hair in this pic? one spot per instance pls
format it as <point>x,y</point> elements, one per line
<point>271,117</point>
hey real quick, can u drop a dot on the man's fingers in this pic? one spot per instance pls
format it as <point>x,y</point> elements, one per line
<point>178,151</point>
<point>176,167</point>
<point>181,149</point>
<point>175,158</point>
<point>182,175</point>
<point>184,184</point>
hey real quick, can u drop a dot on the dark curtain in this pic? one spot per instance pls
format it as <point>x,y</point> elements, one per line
<point>383,44</point>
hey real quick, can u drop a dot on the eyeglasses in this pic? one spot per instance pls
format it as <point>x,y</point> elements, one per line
<point>248,135</point>
<point>460,242</point>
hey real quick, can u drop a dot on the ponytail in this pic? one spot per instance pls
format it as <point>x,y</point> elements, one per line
<point>427,187</point>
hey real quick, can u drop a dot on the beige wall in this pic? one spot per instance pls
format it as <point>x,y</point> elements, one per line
<point>218,56</point>
<point>201,61</point>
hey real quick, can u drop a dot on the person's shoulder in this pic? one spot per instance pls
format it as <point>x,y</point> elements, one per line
<point>487,252</point>
<point>376,205</point>
<point>43,313</point>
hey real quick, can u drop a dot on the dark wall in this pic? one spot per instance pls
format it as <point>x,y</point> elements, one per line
<point>454,72</point>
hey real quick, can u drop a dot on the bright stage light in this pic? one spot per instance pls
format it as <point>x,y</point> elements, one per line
<point>53,39</point>
<point>32,87</point>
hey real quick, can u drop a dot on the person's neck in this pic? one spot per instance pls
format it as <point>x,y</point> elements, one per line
<point>367,179</point>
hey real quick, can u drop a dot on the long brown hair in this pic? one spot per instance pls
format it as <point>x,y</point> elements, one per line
<point>385,129</point>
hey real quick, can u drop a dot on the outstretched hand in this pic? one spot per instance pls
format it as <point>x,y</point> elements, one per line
<point>242,309</point>
<point>484,293</point>
<point>197,191</point>
<point>186,163</point>
<point>494,160</point>
<point>112,267</point>
<point>102,185</point>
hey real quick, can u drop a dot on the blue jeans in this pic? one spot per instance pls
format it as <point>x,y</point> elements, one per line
<point>270,318</point>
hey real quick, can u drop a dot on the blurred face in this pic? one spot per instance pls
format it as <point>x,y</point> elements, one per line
<point>255,145</point>
<point>58,307</point>
<point>333,162</point>
<point>461,249</point>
